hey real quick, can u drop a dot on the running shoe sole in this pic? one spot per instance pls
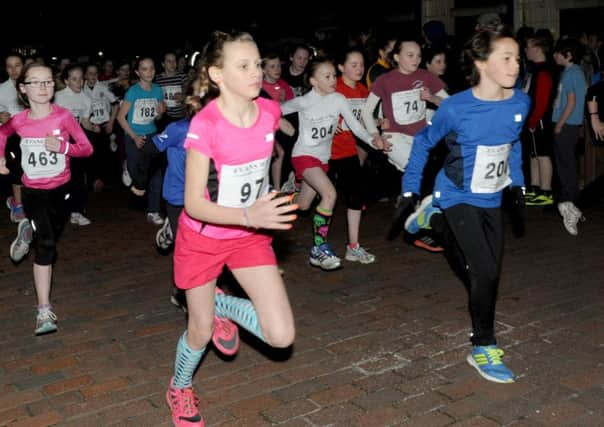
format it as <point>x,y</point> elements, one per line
<point>483,374</point>
<point>425,246</point>
<point>46,328</point>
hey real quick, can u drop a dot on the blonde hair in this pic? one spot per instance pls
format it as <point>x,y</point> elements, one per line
<point>213,56</point>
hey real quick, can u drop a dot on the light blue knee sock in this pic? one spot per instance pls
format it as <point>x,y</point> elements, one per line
<point>186,361</point>
<point>239,310</point>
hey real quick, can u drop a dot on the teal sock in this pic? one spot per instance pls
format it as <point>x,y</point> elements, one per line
<point>239,310</point>
<point>186,361</point>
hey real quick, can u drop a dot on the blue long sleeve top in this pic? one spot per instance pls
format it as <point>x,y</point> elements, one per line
<point>485,152</point>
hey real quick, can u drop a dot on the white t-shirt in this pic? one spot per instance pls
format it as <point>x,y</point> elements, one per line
<point>9,101</point>
<point>101,99</point>
<point>78,103</point>
<point>318,115</point>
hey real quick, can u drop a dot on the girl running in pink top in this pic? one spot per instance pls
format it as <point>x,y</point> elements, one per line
<point>45,130</point>
<point>229,148</point>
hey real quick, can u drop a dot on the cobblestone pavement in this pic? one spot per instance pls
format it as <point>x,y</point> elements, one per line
<point>377,345</point>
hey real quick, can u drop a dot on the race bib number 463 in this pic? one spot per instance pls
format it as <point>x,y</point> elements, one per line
<point>241,185</point>
<point>37,162</point>
<point>491,168</point>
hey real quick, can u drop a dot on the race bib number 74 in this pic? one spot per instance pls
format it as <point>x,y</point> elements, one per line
<point>241,185</point>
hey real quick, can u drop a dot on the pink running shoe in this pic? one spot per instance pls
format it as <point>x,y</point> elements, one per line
<point>183,404</point>
<point>226,334</point>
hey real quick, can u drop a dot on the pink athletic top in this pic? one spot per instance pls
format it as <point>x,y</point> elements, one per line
<point>43,169</point>
<point>239,161</point>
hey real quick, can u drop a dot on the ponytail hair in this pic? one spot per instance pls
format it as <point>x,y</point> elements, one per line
<point>213,56</point>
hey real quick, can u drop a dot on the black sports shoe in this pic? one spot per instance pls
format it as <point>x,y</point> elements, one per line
<point>178,298</point>
<point>428,243</point>
<point>403,208</point>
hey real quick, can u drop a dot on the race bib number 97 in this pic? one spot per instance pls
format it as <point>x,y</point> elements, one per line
<point>491,169</point>
<point>37,162</point>
<point>241,185</point>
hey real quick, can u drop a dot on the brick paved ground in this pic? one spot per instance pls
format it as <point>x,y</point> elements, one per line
<point>377,345</point>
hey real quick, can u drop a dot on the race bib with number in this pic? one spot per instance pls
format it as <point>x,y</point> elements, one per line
<point>99,113</point>
<point>407,107</point>
<point>491,169</point>
<point>356,105</point>
<point>144,111</point>
<point>321,130</point>
<point>77,114</point>
<point>171,95</point>
<point>241,185</point>
<point>37,162</point>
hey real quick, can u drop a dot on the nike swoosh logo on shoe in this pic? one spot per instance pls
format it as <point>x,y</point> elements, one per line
<point>193,419</point>
<point>229,344</point>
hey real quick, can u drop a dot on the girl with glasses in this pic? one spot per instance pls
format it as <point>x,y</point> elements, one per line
<point>45,130</point>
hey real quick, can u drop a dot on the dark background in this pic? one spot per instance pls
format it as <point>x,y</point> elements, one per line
<point>126,29</point>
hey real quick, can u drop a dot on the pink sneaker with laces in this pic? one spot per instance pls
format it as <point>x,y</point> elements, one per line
<point>183,404</point>
<point>226,334</point>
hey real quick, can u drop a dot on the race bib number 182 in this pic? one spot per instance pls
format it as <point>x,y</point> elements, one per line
<point>144,111</point>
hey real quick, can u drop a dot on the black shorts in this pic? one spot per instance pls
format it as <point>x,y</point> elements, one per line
<point>540,142</point>
<point>347,176</point>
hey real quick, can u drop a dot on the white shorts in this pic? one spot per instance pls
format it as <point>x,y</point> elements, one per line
<point>400,150</point>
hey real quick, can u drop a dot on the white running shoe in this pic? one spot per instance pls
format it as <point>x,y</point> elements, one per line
<point>164,237</point>
<point>155,218</point>
<point>324,257</point>
<point>46,321</point>
<point>571,216</point>
<point>359,254</point>
<point>79,219</point>
<point>126,178</point>
<point>20,246</point>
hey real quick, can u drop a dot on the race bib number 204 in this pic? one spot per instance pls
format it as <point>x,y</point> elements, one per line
<point>240,185</point>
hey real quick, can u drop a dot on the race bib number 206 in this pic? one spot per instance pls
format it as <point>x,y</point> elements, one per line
<point>241,185</point>
<point>491,169</point>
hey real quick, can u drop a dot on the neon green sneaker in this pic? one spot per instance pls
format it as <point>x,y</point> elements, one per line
<point>420,219</point>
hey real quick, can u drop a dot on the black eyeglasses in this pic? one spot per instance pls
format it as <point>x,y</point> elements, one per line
<point>38,83</point>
